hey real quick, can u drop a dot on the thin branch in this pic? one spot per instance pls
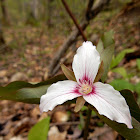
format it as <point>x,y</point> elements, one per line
<point>74,20</point>
<point>97,7</point>
<point>88,11</point>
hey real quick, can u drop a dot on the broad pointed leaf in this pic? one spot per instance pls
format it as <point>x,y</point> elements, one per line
<point>105,47</point>
<point>26,92</point>
<point>137,88</point>
<point>119,57</point>
<point>121,71</point>
<point>40,130</point>
<point>120,84</point>
<point>100,46</point>
<point>134,108</point>
<point>108,38</point>
<point>106,57</point>
<point>138,63</point>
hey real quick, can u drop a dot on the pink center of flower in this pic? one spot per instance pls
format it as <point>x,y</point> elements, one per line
<point>85,88</point>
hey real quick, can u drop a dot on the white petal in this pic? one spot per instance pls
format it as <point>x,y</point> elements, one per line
<point>86,62</point>
<point>58,93</point>
<point>110,103</point>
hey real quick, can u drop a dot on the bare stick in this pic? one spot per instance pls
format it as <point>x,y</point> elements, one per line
<point>74,20</point>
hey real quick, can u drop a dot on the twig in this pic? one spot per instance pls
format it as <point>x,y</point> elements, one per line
<point>63,60</point>
<point>88,11</point>
<point>74,20</point>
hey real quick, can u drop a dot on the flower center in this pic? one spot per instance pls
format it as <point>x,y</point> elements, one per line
<point>85,88</point>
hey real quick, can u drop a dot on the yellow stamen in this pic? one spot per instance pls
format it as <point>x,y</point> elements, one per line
<point>85,88</point>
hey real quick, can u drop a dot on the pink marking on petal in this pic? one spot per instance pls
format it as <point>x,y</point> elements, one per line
<point>85,80</point>
<point>93,90</point>
<point>85,77</point>
<point>76,90</point>
<point>80,81</point>
<point>89,82</point>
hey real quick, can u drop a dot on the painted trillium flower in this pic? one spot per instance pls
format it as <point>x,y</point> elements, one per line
<point>103,97</point>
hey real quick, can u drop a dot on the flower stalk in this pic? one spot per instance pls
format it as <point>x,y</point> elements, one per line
<point>107,101</point>
<point>87,122</point>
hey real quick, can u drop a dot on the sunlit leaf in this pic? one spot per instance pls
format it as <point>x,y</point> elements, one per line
<point>108,38</point>
<point>40,130</point>
<point>84,108</point>
<point>120,84</point>
<point>121,71</point>
<point>138,63</point>
<point>100,46</point>
<point>119,57</point>
<point>26,92</point>
<point>106,57</point>
<point>137,88</point>
<point>105,47</point>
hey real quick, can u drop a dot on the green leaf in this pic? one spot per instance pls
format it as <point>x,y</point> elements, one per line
<point>40,130</point>
<point>93,113</point>
<point>108,38</point>
<point>100,46</point>
<point>106,57</point>
<point>137,88</point>
<point>134,108</point>
<point>121,71</point>
<point>120,84</point>
<point>84,108</point>
<point>26,92</point>
<point>105,47</point>
<point>119,57</point>
<point>138,63</point>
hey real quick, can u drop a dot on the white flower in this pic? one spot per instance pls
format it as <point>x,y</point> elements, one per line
<point>103,97</point>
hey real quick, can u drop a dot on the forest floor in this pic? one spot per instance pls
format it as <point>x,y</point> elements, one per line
<point>30,53</point>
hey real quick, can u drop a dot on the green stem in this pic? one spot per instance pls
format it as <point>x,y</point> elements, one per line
<point>87,123</point>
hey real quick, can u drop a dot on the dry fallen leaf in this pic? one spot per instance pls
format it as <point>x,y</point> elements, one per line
<point>19,76</point>
<point>3,73</point>
<point>60,116</point>
<point>54,134</point>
